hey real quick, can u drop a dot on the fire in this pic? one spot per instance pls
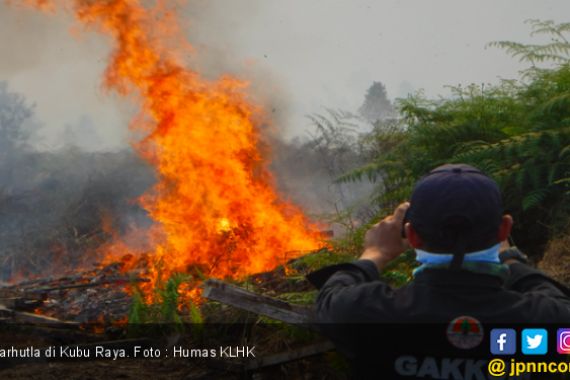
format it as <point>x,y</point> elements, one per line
<point>214,203</point>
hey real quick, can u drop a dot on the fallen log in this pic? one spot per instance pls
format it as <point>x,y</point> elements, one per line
<point>10,315</point>
<point>115,281</point>
<point>21,303</point>
<point>220,291</point>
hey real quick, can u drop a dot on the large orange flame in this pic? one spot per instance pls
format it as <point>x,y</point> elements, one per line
<point>214,202</point>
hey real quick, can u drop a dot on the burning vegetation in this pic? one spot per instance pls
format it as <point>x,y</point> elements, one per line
<point>215,209</point>
<point>212,210</point>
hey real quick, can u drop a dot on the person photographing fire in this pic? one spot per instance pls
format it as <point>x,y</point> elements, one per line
<point>456,223</point>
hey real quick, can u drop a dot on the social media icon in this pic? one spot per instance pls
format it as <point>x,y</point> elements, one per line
<point>563,341</point>
<point>503,341</point>
<point>534,341</point>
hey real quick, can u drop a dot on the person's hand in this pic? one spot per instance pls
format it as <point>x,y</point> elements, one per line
<point>384,242</point>
<point>504,246</point>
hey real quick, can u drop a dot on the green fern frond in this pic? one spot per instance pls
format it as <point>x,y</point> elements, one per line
<point>371,171</point>
<point>534,198</point>
<point>557,51</point>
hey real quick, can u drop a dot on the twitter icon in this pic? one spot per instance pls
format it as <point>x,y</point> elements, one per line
<point>534,341</point>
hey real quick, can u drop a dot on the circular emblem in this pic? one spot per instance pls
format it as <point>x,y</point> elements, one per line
<point>465,332</point>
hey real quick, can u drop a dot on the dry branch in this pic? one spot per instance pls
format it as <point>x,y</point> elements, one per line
<point>23,317</point>
<point>114,281</point>
<point>21,303</point>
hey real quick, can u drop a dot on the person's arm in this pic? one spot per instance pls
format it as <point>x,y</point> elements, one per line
<point>346,294</point>
<point>353,292</point>
<point>347,289</point>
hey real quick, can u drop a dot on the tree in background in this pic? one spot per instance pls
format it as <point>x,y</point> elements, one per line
<point>376,104</point>
<point>52,202</point>
<point>517,131</point>
<point>15,121</point>
<point>16,128</point>
<point>306,170</point>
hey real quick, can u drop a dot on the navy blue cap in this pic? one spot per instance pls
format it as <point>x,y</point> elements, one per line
<point>456,208</point>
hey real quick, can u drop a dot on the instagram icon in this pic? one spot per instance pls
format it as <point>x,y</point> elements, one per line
<point>563,341</point>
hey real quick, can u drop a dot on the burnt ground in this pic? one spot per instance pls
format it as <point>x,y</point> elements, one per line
<point>222,325</point>
<point>237,327</point>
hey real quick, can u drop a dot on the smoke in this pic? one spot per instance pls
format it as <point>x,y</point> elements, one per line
<point>303,174</point>
<point>58,65</point>
<point>304,170</point>
<point>74,172</point>
<point>55,206</point>
<point>53,202</point>
<point>59,68</point>
<point>64,159</point>
<point>214,29</point>
<point>307,172</point>
<point>28,40</point>
<point>61,184</point>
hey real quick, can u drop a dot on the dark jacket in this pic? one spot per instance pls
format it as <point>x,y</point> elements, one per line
<point>355,307</point>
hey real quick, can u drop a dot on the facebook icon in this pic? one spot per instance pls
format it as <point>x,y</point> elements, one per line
<point>503,342</point>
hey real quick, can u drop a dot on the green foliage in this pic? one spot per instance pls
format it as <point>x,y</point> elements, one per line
<point>300,298</point>
<point>557,50</point>
<point>139,310</point>
<point>170,299</point>
<point>195,316</point>
<point>517,131</point>
<point>384,166</point>
<point>164,309</point>
<point>399,271</point>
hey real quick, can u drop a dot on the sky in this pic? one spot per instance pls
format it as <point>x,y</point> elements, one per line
<point>300,56</point>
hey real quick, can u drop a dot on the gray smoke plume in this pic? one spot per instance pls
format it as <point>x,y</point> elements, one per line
<point>52,203</point>
<point>65,162</point>
<point>306,167</point>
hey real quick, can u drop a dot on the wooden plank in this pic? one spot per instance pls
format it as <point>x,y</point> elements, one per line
<point>23,317</point>
<point>220,291</point>
<point>21,303</point>
<point>115,281</point>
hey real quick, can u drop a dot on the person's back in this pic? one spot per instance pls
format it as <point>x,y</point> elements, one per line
<point>455,223</point>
